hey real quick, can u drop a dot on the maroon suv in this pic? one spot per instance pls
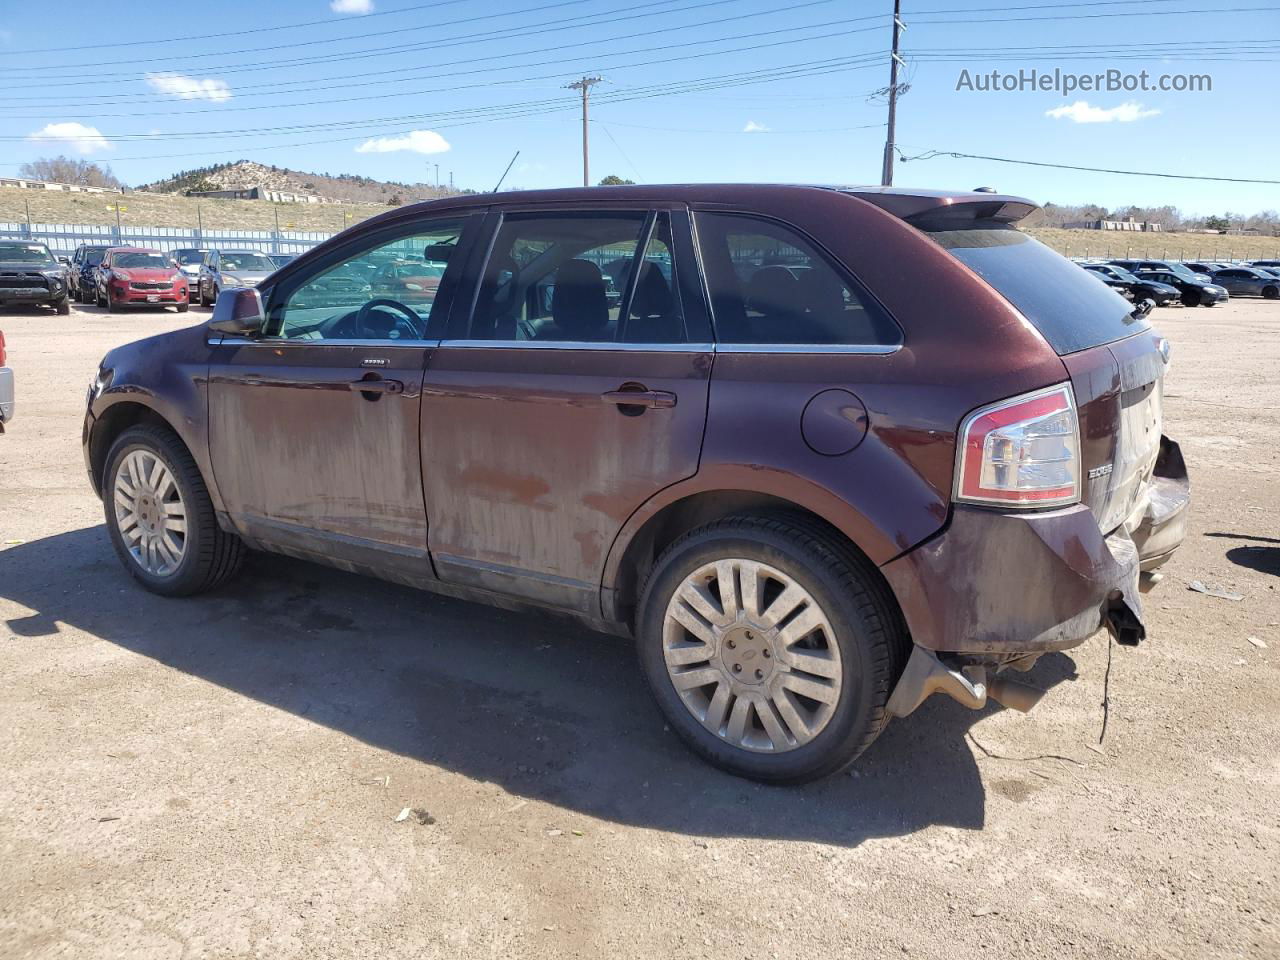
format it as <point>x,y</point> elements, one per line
<point>823,452</point>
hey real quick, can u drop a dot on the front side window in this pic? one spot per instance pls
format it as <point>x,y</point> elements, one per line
<point>580,278</point>
<point>769,286</point>
<point>384,292</point>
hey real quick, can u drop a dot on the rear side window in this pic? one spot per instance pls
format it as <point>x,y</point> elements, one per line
<point>1070,311</point>
<point>769,286</point>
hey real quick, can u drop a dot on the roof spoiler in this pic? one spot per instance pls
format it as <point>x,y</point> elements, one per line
<point>962,213</point>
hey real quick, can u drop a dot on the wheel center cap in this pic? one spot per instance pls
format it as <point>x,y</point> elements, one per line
<point>746,655</point>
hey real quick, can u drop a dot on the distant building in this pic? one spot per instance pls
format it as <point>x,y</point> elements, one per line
<point>1138,226</point>
<point>260,193</point>
<point>25,184</point>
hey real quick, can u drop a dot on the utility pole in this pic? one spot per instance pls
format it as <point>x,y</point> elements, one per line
<point>886,176</point>
<point>585,85</point>
<point>437,166</point>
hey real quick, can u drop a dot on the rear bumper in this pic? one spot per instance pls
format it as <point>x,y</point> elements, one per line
<point>1003,585</point>
<point>1008,584</point>
<point>7,403</point>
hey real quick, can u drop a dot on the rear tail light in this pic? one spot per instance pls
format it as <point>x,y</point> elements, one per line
<point>2,353</point>
<point>1021,453</point>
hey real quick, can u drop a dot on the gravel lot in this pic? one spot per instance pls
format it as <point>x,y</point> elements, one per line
<point>222,776</point>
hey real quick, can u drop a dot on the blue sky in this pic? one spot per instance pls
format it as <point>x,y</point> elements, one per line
<point>693,90</point>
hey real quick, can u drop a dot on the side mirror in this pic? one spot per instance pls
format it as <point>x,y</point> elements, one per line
<point>65,261</point>
<point>238,313</point>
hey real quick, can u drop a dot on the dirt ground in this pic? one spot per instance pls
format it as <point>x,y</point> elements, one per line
<point>221,777</point>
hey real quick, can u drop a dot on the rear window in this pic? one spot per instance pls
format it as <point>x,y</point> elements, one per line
<point>1070,309</point>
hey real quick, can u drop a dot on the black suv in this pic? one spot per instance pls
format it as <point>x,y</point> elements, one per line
<point>29,274</point>
<point>82,280</point>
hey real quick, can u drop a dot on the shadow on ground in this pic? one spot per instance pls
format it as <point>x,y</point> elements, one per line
<point>543,707</point>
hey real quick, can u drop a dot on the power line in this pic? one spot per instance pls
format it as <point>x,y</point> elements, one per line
<point>308,86</point>
<point>931,154</point>
<point>501,33</point>
<point>149,114</point>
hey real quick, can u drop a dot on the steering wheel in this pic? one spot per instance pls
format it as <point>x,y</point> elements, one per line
<point>361,322</point>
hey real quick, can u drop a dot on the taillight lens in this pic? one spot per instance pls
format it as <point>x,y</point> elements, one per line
<point>1023,452</point>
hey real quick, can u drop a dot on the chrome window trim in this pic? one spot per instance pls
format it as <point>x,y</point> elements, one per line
<point>297,343</point>
<point>859,349</point>
<point>580,345</point>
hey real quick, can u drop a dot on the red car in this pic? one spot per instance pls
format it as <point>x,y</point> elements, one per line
<point>137,276</point>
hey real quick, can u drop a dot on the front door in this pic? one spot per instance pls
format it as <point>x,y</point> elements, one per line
<point>313,428</point>
<point>574,391</point>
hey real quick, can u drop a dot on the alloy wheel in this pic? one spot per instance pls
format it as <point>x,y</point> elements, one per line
<point>150,513</point>
<point>752,655</point>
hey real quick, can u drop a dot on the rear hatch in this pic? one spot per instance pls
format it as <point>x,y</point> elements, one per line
<point>1112,356</point>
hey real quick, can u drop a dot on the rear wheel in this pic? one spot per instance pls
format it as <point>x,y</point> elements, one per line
<point>99,299</point>
<point>63,306</point>
<point>770,646</point>
<point>160,517</point>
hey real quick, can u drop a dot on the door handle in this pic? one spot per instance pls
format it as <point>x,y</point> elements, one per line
<point>376,386</point>
<point>651,399</point>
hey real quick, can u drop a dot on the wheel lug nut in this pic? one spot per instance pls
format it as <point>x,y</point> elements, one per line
<point>767,654</point>
<point>759,674</point>
<point>737,668</point>
<point>732,645</point>
<point>750,635</point>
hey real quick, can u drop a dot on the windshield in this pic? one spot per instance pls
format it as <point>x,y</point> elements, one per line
<point>1070,310</point>
<point>246,262</point>
<point>186,258</point>
<point>26,253</point>
<point>141,260</point>
<point>1182,270</point>
<point>93,257</point>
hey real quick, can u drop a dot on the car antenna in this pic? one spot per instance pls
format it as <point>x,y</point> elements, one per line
<point>506,171</point>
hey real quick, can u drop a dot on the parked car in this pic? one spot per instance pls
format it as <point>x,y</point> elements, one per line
<point>886,484</point>
<point>226,269</point>
<point>408,281</point>
<point>1269,264</point>
<point>1194,288</point>
<point>280,259</point>
<point>1204,267</point>
<point>1249,282</point>
<point>6,387</point>
<point>140,277</point>
<point>1134,288</point>
<point>188,260</point>
<point>82,276</point>
<point>30,275</point>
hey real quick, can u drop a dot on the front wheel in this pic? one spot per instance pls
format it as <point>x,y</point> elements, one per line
<point>1271,293</point>
<point>1190,299</point>
<point>770,646</point>
<point>160,517</point>
<point>63,307</point>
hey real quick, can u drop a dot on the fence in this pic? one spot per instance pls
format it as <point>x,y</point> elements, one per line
<point>63,238</point>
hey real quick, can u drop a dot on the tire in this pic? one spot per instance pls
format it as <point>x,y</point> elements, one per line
<point>1190,299</point>
<point>183,307</point>
<point>98,299</point>
<point>860,648</point>
<point>1271,293</point>
<point>111,304</point>
<point>63,307</point>
<point>207,556</point>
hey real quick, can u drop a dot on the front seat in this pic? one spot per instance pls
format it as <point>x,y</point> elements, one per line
<point>579,304</point>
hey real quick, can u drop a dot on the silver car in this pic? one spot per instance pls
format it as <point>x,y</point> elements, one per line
<point>1249,282</point>
<point>231,269</point>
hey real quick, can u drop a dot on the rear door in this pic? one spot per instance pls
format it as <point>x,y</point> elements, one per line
<point>572,392</point>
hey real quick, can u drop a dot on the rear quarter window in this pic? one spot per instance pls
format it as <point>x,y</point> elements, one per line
<point>1072,311</point>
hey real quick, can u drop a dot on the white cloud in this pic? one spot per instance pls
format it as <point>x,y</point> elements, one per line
<point>358,7</point>
<point>189,88</point>
<point>1084,112</point>
<point>753,127</point>
<point>83,139</point>
<point>415,141</point>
